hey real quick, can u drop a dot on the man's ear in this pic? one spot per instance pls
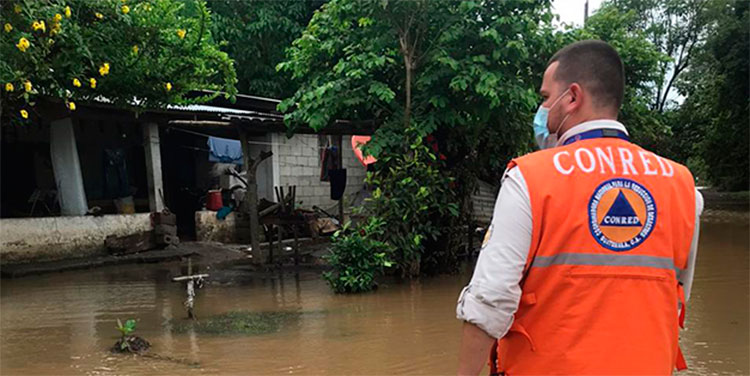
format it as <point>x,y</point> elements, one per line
<point>577,97</point>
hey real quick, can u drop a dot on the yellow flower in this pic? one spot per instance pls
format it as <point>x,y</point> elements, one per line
<point>38,25</point>
<point>17,8</point>
<point>9,87</point>
<point>55,29</point>
<point>104,69</point>
<point>147,7</point>
<point>125,9</point>
<point>76,83</point>
<point>168,86</point>
<point>72,106</point>
<point>24,114</point>
<point>58,17</point>
<point>99,15</point>
<point>67,12</point>
<point>8,27</point>
<point>92,82</point>
<point>23,44</point>
<point>135,49</point>
<point>27,86</point>
<point>181,33</point>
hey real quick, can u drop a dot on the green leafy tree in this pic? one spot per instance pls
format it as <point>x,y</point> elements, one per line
<point>142,53</point>
<point>714,119</point>
<point>642,61</point>
<point>255,33</point>
<point>677,28</point>
<point>465,72</point>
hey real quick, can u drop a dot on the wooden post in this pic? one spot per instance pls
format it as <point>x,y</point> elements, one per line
<point>341,165</point>
<point>251,194</point>
<point>193,282</point>
<point>296,245</point>
<point>190,290</point>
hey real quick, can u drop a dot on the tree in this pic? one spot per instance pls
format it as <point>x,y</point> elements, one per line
<point>714,118</point>
<point>464,72</point>
<point>677,28</point>
<point>642,61</point>
<point>139,53</point>
<point>254,33</point>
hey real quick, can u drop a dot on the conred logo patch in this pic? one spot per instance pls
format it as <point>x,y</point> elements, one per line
<point>622,214</point>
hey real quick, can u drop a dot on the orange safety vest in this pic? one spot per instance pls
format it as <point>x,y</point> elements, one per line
<point>612,228</point>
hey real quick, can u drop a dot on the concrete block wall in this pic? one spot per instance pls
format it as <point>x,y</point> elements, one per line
<point>298,161</point>
<point>484,202</point>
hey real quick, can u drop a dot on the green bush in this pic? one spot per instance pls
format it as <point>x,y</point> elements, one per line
<point>414,198</point>
<point>357,257</point>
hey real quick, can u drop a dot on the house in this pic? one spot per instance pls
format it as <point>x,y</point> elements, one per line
<point>122,165</point>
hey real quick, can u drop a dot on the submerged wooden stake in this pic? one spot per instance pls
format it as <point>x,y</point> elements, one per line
<point>191,281</point>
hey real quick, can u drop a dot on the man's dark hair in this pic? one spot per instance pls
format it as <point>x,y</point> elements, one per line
<point>594,65</point>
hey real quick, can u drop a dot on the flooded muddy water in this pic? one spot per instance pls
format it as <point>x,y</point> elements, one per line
<point>63,324</point>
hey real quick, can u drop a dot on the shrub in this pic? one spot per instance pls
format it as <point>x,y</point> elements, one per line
<point>357,257</point>
<point>415,199</point>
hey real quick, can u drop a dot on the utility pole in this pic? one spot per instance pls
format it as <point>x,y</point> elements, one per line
<point>585,12</point>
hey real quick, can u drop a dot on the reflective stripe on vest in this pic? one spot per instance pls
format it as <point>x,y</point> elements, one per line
<point>606,260</point>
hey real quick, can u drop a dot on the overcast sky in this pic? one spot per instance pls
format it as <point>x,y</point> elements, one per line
<point>571,11</point>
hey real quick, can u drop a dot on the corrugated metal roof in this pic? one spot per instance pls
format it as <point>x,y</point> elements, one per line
<point>212,109</point>
<point>227,112</point>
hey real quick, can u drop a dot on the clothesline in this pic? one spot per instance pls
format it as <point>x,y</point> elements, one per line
<point>252,142</point>
<point>280,162</point>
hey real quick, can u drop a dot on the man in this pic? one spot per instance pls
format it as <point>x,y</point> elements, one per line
<point>590,255</point>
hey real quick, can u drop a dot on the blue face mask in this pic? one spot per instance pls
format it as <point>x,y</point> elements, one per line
<point>544,139</point>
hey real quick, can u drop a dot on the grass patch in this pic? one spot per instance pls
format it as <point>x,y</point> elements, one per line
<point>243,323</point>
<point>240,323</point>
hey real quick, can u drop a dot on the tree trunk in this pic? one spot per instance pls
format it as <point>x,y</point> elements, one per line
<point>408,52</point>
<point>407,105</point>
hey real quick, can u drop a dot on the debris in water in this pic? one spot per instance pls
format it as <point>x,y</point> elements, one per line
<point>131,344</point>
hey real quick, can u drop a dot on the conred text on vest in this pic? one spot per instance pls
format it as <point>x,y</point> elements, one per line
<point>609,160</point>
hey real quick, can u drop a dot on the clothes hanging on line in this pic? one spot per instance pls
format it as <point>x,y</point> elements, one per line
<point>224,150</point>
<point>329,160</point>
<point>116,182</point>
<point>338,183</point>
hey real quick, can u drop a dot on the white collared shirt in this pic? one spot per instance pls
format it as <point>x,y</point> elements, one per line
<point>491,298</point>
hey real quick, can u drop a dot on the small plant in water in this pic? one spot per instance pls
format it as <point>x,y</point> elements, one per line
<point>125,331</point>
<point>129,342</point>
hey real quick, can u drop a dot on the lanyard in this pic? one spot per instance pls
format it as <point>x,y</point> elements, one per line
<point>597,133</point>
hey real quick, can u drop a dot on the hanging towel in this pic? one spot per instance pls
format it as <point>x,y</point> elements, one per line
<point>338,183</point>
<point>224,150</point>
